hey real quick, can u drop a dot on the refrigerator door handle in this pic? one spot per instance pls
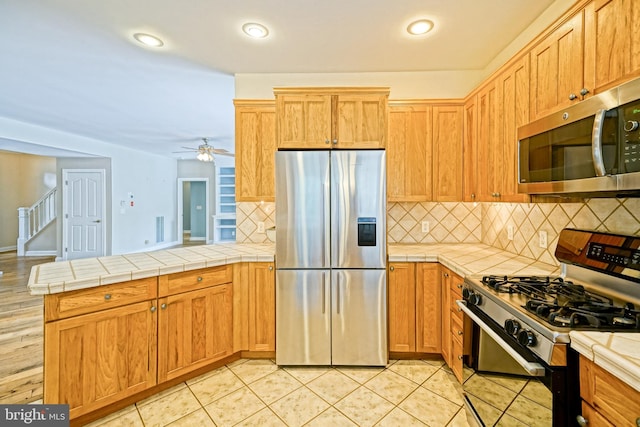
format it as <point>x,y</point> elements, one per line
<point>338,293</point>
<point>324,291</point>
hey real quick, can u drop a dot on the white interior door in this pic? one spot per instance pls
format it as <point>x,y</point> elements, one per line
<point>84,213</point>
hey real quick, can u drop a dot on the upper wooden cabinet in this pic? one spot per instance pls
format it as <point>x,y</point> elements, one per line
<point>255,150</point>
<point>447,152</point>
<point>557,69</point>
<point>344,118</point>
<point>409,152</point>
<point>612,42</point>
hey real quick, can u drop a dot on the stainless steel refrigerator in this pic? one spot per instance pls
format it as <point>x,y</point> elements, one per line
<point>331,295</point>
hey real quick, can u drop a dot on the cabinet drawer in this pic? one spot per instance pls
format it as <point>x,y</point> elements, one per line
<point>176,283</point>
<point>455,310</point>
<point>456,359</point>
<point>457,330</point>
<point>82,301</point>
<point>616,401</point>
<point>593,417</point>
<point>456,286</point>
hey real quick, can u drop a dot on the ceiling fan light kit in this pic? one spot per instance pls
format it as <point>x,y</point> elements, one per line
<point>206,152</point>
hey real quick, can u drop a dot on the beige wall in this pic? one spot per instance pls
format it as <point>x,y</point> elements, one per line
<point>21,184</point>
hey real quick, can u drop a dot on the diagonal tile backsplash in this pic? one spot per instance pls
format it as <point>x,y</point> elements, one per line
<point>486,223</point>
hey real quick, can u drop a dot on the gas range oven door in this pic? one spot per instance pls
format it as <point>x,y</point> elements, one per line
<point>511,385</point>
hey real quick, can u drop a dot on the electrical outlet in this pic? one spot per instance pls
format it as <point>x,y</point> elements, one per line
<point>510,232</point>
<point>261,227</point>
<point>425,226</point>
<point>542,235</point>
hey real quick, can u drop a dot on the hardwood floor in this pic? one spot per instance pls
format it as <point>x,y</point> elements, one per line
<point>21,331</point>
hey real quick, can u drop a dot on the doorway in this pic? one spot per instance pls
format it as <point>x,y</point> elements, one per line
<point>83,213</point>
<point>193,211</point>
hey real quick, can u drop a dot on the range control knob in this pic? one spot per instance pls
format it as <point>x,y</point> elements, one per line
<point>470,296</point>
<point>630,125</point>
<point>512,326</point>
<point>527,338</point>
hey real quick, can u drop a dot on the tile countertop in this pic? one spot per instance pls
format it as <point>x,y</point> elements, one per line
<point>84,273</point>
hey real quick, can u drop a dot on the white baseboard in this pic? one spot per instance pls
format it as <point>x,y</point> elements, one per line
<point>8,249</point>
<point>197,239</point>
<point>41,253</point>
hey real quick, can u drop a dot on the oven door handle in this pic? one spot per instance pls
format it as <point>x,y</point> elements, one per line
<point>534,369</point>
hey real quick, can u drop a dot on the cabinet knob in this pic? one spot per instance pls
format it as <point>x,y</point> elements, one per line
<point>107,297</point>
<point>584,91</point>
<point>460,332</point>
<point>582,421</point>
<point>326,141</point>
<point>163,306</point>
<point>446,274</point>
<point>572,96</point>
<point>473,196</point>
<point>335,141</point>
<point>199,279</point>
<point>391,268</point>
<point>459,357</point>
<point>271,268</point>
<point>153,308</point>
<point>459,286</point>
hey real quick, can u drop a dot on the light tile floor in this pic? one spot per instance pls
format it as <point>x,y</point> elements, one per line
<point>252,392</point>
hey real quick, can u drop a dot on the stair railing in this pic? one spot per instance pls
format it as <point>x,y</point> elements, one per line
<point>34,219</point>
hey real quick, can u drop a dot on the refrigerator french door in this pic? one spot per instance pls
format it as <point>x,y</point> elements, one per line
<point>330,258</point>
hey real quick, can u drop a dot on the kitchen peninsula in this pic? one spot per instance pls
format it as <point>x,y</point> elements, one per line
<point>236,273</point>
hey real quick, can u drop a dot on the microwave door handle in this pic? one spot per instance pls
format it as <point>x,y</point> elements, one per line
<point>596,143</point>
<point>534,369</point>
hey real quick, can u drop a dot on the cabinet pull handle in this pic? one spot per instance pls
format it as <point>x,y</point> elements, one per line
<point>107,297</point>
<point>582,421</point>
<point>392,268</point>
<point>199,279</point>
<point>572,96</point>
<point>163,306</point>
<point>584,91</point>
<point>153,309</point>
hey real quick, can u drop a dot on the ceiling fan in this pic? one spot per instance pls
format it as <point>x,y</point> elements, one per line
<point>206,151</point>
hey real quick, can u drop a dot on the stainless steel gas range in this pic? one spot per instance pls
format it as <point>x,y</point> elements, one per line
<point>521,327</point>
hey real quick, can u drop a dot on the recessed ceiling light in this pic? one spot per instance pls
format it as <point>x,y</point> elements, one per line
<point>420,27</point>
<point>254,30</point>
<point>148,40</point>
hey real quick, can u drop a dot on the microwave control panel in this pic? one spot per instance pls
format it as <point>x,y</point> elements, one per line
<point>631,132</point>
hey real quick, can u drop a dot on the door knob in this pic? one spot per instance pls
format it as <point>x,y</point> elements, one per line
<point>97,220</point>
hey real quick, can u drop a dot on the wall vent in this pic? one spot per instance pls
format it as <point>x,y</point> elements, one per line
<point>159,229</point>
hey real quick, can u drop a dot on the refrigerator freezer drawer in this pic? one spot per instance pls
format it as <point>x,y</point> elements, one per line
<point>359,317</point>
<point>303,317</point>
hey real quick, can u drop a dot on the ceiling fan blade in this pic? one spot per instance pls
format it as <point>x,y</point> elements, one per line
<point>176,152</point>
<point>224,154</point>
<point>190,148</point>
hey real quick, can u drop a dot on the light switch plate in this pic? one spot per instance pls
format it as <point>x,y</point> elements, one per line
<point>510,232</point>
<point>260,227</point>
<point>425,226</point>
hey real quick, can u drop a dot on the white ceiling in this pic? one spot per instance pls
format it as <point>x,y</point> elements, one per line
<point>72,65</point>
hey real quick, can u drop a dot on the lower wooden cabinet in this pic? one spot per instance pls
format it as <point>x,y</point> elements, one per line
<point>262,307</point>
<point>606,400</point>
<point>194,330</point>
<point>414,308</point>
<point>456,327</point>
<point>94,360</point>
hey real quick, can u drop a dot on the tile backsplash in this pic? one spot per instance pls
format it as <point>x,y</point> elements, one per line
<point>479,222</point>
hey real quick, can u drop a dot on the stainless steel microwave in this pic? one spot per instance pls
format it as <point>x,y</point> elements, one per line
<point>591,148</point>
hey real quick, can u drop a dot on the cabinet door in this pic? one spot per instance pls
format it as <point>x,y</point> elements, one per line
<point>97,359</point>
<point>262,307</point>
<point>470,150</point>
<point>428,308</point>
<point>360,121</point>
<point>557,69</point>
<point>446,315</point>
<point>513,101</point>
<point>612,42</point>
<point>303,121</point>
<point>447,153</point>
<point>402,303</point>
<point>488,135</point>
<point>194,329</point>
<point>409,153</point>
<point>255,150</point>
